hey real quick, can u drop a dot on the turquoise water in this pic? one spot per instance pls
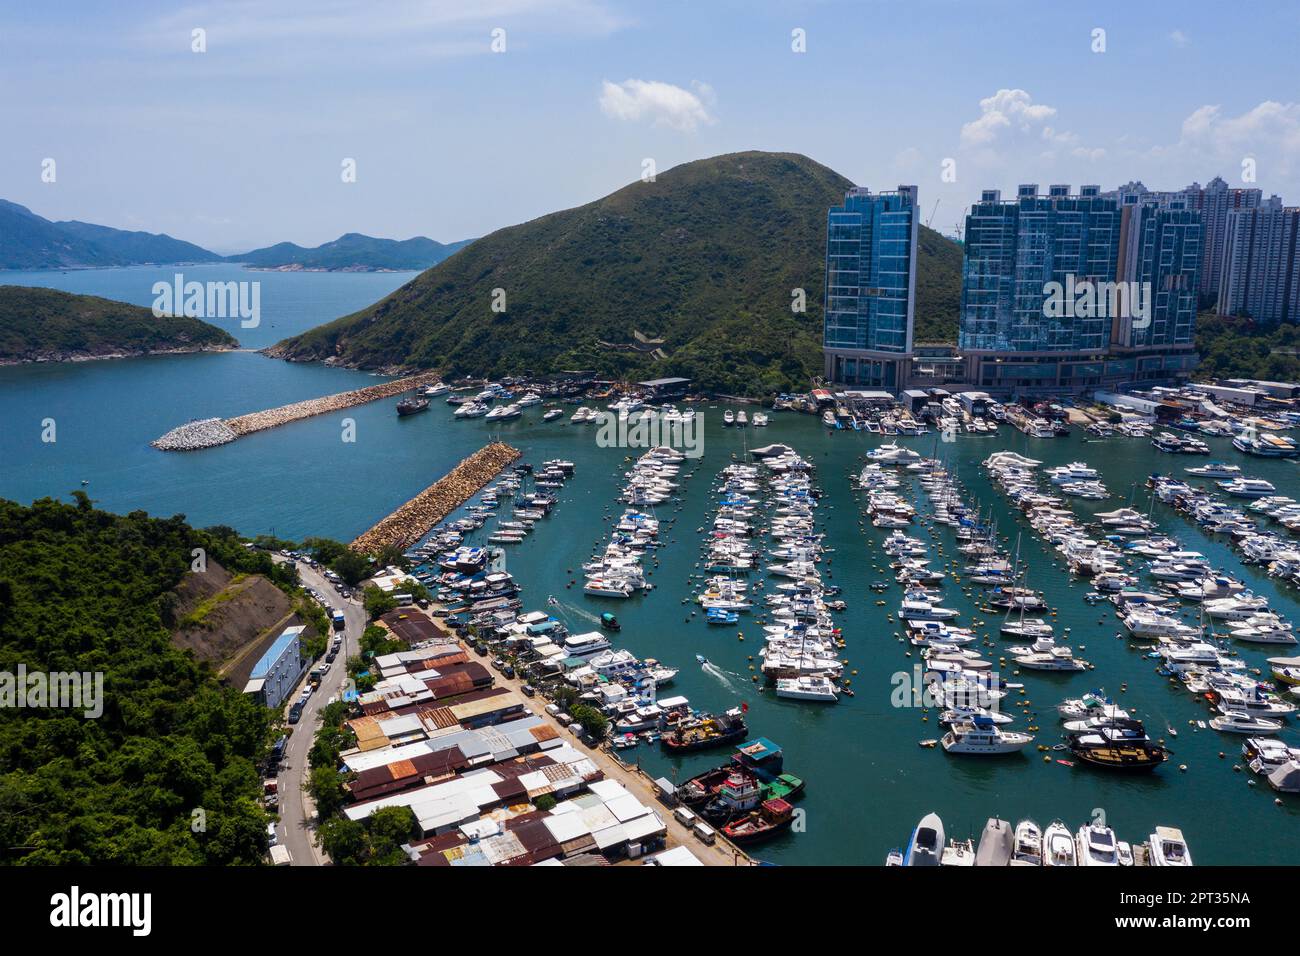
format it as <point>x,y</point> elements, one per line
<point>868,781</point>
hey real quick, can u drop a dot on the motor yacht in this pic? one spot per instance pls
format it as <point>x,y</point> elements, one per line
<point>1029,845</point>
<point>1215,469</point>
<point>807,687</point>
<point>981,736</point>
<point>1236,722</point>
<point>1096,846</point>
<point>1058,845</point>
<point>1168,848</point>
<point>1247,487</point>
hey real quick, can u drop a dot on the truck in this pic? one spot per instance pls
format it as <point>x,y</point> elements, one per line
<point>280,855</point>
<point>316,674</point>
<point>340,622</point>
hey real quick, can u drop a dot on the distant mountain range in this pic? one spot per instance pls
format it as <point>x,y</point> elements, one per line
<point>690,275</point>
<point>46,325</point>
<point>29,241</point>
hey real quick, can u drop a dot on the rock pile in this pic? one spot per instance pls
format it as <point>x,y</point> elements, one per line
<point>413,520</point>
<point>214,431</point>
<point>191,436</point>
<point>259,421</point>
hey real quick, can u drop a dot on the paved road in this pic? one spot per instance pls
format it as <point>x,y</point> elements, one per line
<point>296,810</point>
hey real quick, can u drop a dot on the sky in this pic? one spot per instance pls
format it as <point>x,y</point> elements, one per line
<point>231,124</point>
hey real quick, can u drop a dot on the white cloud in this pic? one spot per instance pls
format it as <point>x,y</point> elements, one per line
<point>663,104</point>
<point>1006,111</point>
<point>1270,132</point>
<point>1179,39</point>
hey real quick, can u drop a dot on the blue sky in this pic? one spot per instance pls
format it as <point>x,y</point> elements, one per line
<point>242,145</point>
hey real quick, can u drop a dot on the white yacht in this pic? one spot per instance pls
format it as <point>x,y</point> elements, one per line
<point>1029,845</point>
<point>1058,845</point>
<point>1215,469</point>
<point>1236,722</point>
<point>818,688</point>
<point>760,419</point>
<point>470,410</point>
<point>1168,848</point>
<point>1096,846</point>
<point>1248,487</point>
<point>982,737</point>
<point>530,398</point>
<point>1074,471</point>
<point>741,418</point>
<point>436,389</point>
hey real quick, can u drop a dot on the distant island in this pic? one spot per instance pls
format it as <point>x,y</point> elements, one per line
<point>31,242</point>
<point>352,252</point>
<point>46,325</point>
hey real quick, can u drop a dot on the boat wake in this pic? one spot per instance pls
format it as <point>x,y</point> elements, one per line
<point>570,609</point>
<point>723,677</point>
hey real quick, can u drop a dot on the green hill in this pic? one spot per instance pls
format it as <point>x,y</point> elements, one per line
<point>704,259</point>
<point>46,325</point>
<point>355,253</point>
<point>87,592</point>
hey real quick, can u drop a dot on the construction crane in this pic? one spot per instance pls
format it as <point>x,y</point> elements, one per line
<point>930,218</point>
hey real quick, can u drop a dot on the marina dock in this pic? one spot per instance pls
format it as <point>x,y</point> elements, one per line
<point>211,432</point>
<point>405,526</point>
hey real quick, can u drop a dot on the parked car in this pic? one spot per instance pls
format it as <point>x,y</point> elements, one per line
<point>528,690</point>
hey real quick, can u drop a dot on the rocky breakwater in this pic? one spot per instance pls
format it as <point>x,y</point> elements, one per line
<point>207,433</point>
<point>413,520</point>
<point>214,431</point>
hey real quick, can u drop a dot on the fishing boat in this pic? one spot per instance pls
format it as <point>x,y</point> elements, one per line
<point>707,731</point>
<point>609,622</point>
<point>925,848</point>
<point>411,405</point>
<point>772,817</point>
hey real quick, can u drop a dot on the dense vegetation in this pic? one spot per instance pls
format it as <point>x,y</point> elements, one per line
<point>1240,348</point>
<point>45,324</point>
<point>29,241</point>
<point>704,258</point>
<point>355,252</point>
<point>167,774</point>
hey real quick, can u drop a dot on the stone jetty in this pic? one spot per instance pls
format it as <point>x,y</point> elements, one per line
<point>405,526</point>
<point>207,433</point>
<point>215,431</point>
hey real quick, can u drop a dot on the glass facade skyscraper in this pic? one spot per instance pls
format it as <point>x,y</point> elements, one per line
<point>870,287</point>
<point>1162,250</point>
<point>1015,250</point>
